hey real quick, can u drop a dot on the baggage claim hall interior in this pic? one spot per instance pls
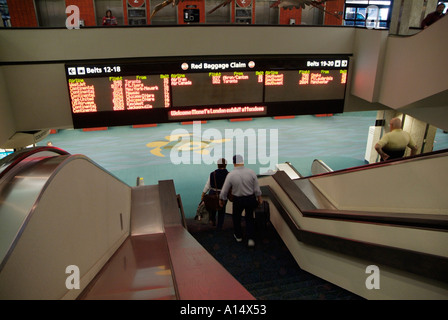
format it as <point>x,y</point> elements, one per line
<point>108,134</point>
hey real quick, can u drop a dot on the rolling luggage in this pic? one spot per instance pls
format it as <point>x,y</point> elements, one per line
<point>262,218</point>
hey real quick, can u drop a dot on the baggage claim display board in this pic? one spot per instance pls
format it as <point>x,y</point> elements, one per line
<point>156,90</point>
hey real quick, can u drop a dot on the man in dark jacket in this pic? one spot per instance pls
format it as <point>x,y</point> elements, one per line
<point>433,16</point>
<point>213,186</point>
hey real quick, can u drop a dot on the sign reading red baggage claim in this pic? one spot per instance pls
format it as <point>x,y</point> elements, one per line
<point>166,90</point>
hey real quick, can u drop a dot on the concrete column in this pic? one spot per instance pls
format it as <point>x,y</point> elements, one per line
<point>422,133</point>
<point>376,132</point>
<point>408,14</point>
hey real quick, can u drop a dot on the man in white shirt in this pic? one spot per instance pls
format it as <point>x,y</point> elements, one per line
<point>394,143</point>
<point>246,196</point>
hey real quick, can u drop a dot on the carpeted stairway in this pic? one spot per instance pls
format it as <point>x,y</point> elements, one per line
<point>268,271</point>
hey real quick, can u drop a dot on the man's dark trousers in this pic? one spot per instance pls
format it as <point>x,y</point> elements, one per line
<point>248,204</point>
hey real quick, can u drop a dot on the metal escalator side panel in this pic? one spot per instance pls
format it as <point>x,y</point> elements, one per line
<point>289,169</point>
<point>19,195</point>
<point>318,167</point>
<point>411,186</point>
<point>80,217</point>
<point>341,258</point>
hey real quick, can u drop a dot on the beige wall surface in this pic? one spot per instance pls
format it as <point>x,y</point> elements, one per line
<point>414,67</point>
<point>104,43</point>
<point>369,49</point>
<point>38,96</point>
<point>7,127</point>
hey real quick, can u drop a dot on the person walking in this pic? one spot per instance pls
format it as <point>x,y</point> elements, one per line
<point>433,16</point>
<point>213,186</point>
<point>246,193</point>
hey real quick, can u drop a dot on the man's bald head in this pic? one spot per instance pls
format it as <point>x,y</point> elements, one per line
<point>395,123</point>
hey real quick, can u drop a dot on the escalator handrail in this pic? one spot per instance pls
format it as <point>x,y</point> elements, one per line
<point>423,264</point>
<point>294,169</point>
<point>428,221</point>
<point>323,165</point>
<point>421,156</point>
<point>308,209</point>
<point>15,158</point>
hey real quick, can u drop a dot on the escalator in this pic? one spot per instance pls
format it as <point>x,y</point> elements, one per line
<point>391,217</point>
<point>22,176</point>
<point>318,167</point>
<point>69,229</point>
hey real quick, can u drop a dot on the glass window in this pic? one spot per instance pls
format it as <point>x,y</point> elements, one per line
<point>380,3</point>
<point>369,2</point>
<point>355,13</point>
<point>350,13</point>
<point>446,6</point>
<point>355,16</point>
<point>362,14</point>
<point>384,13</point>
<point>357,2</point>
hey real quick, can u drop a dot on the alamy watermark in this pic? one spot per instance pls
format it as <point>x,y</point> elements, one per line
<point>73,280</point>
<point>373,280</point>
<point>73,20</point>
<point>258,147</point>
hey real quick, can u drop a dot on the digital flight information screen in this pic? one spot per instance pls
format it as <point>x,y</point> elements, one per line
<point>159,90</point>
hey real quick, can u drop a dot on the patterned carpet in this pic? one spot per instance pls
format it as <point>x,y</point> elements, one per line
<point>128,153</point>
<point>268,271</point>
